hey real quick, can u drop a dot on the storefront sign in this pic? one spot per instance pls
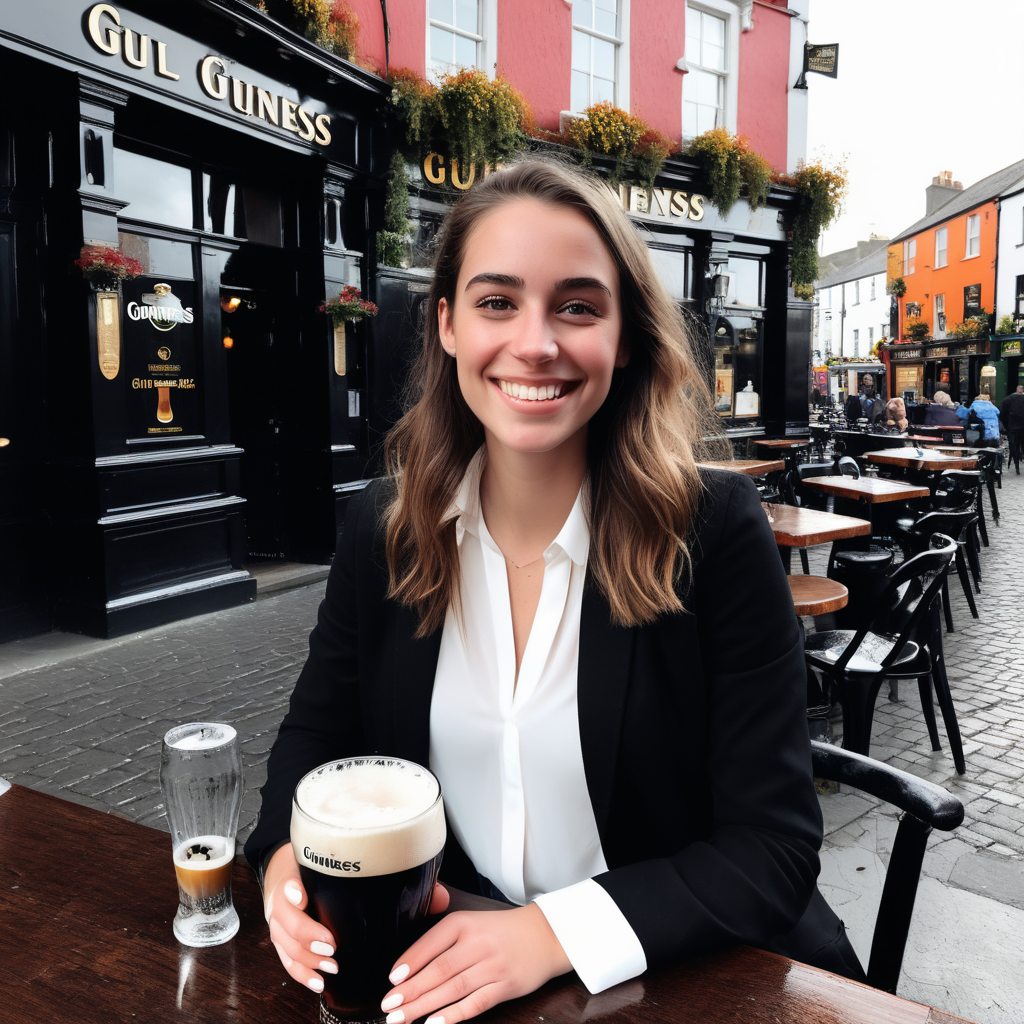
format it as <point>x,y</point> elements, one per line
<point>108,333</point>
<point>139,51</point>
<point>438,170</point>
<point>906,353</point>
<point>162,366</point>
<point>666,203</point>
<point>1011,349</point>
<point>939,352</point>
<point>822,59</point>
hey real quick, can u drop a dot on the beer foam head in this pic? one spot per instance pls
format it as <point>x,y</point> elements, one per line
<point>199,736</point>
<point>367,816</point>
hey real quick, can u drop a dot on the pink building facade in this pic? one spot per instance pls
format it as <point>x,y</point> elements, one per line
<point>682,66</point>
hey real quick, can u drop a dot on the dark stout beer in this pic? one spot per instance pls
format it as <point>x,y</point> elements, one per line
<point>368,834</point>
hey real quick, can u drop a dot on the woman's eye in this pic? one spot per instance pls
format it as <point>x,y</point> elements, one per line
<point>580,309</point>
<point>497,303</point>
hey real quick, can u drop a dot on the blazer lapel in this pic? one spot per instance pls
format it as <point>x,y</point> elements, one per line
<point>414,666</point>
<point>606,654</point>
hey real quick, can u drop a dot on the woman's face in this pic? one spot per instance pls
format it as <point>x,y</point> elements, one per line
<point>535,326</point>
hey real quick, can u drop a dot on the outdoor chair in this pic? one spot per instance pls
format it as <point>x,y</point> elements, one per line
<point>903,640</point>
<point>925,806</point>
<point>959,488</point>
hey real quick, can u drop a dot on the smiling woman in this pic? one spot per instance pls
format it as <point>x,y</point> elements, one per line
<point>541,603</point>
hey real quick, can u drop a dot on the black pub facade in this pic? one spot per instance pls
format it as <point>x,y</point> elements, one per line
<point>161,436</point>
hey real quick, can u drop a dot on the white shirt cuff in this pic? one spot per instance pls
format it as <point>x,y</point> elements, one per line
<point>595,935</point>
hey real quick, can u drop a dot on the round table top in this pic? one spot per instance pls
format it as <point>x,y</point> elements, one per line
<point>817,595</point>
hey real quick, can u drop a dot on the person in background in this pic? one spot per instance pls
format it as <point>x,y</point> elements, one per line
<point>896,415</point>
<point>941,412</point>
<point>867,405</point>
<point>983,413</point>
<point>1011,415</point>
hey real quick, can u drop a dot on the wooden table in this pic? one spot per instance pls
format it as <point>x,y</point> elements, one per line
<point>817,595</point>
<point>804,527</point>
<point>929,462</point>
<point>868,490</point>
<point>782,442</point>
<point>86,902</point>
<point>748,467</point>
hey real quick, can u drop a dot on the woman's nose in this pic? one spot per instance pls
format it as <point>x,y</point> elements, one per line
<point>535,338</point>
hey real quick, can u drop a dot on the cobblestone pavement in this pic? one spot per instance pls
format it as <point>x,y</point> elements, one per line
<point>83,719</point>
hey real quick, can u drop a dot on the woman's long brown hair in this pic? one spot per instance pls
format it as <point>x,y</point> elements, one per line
<point>643,443</point>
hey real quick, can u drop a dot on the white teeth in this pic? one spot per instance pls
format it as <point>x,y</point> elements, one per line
<point>527,393</point>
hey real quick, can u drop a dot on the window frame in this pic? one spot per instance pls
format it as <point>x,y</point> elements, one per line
<point>939,311</point>
<point>909,256</point>
<point>485,39</point>
<point>968,237</point>
<point>872,296</point>
<point>621,43</point>
<point>945,247</point>
<point>856,293</point>
<point>856,342</point>
<point>726,10</point>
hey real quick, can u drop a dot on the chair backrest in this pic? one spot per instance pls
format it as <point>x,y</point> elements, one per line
<point>925,806</point>
<point>848,467</point>
<point>951,523</point>
<point>908,594</point>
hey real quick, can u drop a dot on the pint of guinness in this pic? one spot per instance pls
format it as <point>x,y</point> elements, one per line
<point>368,834</point>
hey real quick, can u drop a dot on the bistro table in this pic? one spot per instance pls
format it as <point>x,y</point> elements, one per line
<point>928,462</point>
<point>817,595</point>
<point>863,494</point>
<point>782,442</point>
<point>87,898</point>
<point>804,527</point>
<point>748,467</point>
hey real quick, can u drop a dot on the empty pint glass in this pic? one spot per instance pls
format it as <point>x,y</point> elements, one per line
<point>368,834</point>
<point>201,781</point>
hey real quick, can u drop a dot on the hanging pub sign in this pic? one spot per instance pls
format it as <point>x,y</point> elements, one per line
<point>160,346</point>
<point>819,59</point>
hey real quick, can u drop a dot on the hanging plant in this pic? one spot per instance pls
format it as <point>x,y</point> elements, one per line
<point>106,268</point>
<point>349,305</point>
<point>820,192</point>
<point>610,131</point>
<point>897,287</point>
<point>972,327</point>
<point>717,153</point>
<point>392,241</point>
<point>1006,325</point>
<point>311,18</point>
<point>478,122</point>
<point>804,291</point>
<point>756,174</point>
<point>412,98</point>
<point>342,31</point>
<point>649,155</point>
<point>915,329</point>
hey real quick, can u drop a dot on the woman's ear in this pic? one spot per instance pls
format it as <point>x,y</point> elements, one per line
<point>445,327</point>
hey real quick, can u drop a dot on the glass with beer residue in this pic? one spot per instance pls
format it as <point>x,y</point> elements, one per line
<point>201,782</point>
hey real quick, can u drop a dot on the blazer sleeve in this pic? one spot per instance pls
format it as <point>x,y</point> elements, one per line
<point>323,722</point>
<point>751,878</point>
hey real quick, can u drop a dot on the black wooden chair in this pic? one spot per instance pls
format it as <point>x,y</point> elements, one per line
<point>925,806</point>
<point>903,640</point>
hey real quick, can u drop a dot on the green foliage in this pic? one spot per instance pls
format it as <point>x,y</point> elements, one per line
<point>342,31</point>
<point>897,287</point>
<point>804,291</point>
<point>412,98</point>
<point>391,242</point>
<point>648,157</point>
<point>310,18</point>
<point>1006,325</point>
<point>820,192</point>
<point>756,173</point>
<point>972,327</point>
<point>716,151</point>
<point>916,329</point>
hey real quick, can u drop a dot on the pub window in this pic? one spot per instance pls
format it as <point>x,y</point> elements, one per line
<point>707,63</point>
<point>456,39</point>
<point>972,300</point>
<point>909,255</point>
<point>940,247</point>
<point>595,52</point>
<point>746,282</point>
<point>973,236</point>
<point>872,289</point>
<point>856,342</point>
<point>241,211</point>
<point>155,190</point>
<point>940,316</point>
<point>856,293</point>
<point>871,337</point>
<point>674,271</point>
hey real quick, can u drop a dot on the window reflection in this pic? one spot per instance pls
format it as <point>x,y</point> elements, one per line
<point>672,267</point>
<point>745,284</point>
<point>155,190</point>
<point>242,211</point>
<point>159,257</point>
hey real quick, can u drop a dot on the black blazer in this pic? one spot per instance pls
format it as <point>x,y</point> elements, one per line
<point>693,729</point>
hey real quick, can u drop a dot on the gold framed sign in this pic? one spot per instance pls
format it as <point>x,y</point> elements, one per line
<point>108,333</point>
<point>340,361</point>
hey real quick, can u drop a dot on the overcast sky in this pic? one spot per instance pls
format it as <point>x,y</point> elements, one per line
<point>924,86</point>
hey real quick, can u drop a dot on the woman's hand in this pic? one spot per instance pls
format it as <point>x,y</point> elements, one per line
<point>305,946</point>
<point>472,960</point>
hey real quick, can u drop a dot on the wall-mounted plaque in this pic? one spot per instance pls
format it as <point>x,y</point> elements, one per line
<point>108,333</point>
<point>340,362</point>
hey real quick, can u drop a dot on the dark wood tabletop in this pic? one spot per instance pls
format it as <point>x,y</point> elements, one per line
<point>87,899</point>
<point>817,595</point>
<point>782,442</point>
<point>749,467</point>
<point>872,490</point>
<point>929,462</point>
<point>804,527</point>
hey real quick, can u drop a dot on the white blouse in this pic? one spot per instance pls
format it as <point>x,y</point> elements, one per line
<point>508,755</point>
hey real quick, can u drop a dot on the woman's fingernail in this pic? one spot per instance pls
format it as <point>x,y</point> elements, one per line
<point>292,893</point>
<point>434,1020</point>
<point>392,1001</point>
<point>395,1017</point>
<point>399,974</point>
<point>316,984</point>
<point>321,948</point>
<point>329,966</point>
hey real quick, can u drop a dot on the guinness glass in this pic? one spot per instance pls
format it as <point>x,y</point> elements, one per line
<point>368,834</point>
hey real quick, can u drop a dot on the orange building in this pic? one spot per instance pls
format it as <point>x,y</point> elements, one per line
<point>946,262</point>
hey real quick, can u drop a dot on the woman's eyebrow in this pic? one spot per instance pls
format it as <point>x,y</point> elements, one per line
<point>504,280</point>
<point>571,283</point>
